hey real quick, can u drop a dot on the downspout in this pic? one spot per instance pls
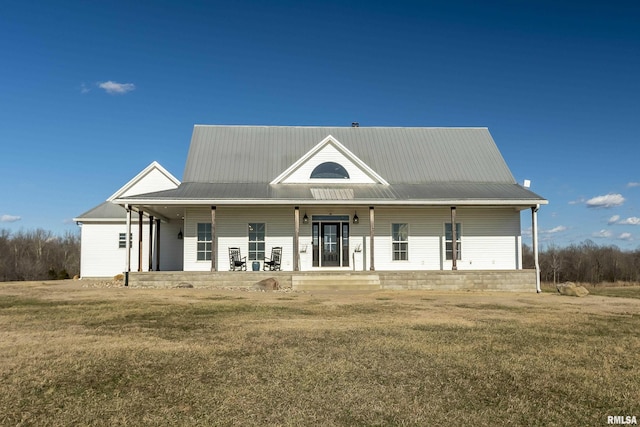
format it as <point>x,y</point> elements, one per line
<point>534,238</point>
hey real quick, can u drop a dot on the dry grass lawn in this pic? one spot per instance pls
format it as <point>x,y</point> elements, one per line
<point>76,355</point>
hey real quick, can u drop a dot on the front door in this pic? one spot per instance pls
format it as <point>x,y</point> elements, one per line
<point>330,247</point>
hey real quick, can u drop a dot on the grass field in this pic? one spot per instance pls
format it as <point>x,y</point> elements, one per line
<point>72,355</point>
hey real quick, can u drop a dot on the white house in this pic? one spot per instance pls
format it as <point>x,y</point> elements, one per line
<point>333,198</point>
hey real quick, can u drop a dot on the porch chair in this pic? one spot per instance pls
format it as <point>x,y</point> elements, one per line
<point>273,263</point>
<point>236,261</point>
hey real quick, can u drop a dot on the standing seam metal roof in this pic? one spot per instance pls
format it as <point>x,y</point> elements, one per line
<point>258,154</point>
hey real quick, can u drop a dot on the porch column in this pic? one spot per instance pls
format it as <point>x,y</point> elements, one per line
<point>140,217</point>
<point>127,246</point>
<point>534,240</point>
<point>296,238</point>
<point>214,243</point>
<point>372,232</point>
<point>151,242</point>
<point>158,244</point>
<point>454,240</point>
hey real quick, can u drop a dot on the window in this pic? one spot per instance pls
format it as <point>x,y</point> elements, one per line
<point>400,241</point>
<point>256,241</point>
<point>448,242</point>
<point>330,170</point>
<point>204,241</point>
<point>122,240</point>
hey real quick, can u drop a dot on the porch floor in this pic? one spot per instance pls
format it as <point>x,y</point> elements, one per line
<point>492,280</point>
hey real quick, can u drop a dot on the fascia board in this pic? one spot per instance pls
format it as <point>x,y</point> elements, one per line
<point>140,176</point>
<point>307,202</point>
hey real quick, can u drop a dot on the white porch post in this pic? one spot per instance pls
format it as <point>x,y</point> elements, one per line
<point>534,240</point>
<point>140,218</point>
<point>296,238</point>
<point>214,246</point>
<point>372,233</point>
<point>157,244</point>
<point>454,240</point>
<point>127,246</point>
<point>151,222</point>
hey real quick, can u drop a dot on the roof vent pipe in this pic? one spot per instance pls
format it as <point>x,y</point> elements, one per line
<point>355,124</point>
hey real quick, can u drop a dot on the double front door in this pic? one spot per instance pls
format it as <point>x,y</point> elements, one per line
<point>330,244</point>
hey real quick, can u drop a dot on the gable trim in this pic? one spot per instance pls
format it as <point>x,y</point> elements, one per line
<point>136,179</point>
<point>329,140</point>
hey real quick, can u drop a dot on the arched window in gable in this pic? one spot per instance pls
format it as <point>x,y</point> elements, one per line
<point>330,170</point>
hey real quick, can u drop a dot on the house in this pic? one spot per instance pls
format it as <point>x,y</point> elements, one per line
<point>333,198</point>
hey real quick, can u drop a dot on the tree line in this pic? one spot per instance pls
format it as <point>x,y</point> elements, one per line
<point>585,262</point>
<point>41,255</point>
<point>38,255</point>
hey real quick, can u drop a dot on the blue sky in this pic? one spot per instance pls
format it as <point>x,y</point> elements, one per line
<point>92,92</point>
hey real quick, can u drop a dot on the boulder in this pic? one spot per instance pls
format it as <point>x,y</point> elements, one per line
<point>270,284</point>
<point>571,289</point>
<point>185,285</point>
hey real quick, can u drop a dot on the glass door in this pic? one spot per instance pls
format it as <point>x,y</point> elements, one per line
<point>330,244</point>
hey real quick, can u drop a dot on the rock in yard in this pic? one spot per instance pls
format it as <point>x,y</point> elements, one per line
<point>184,285</point>
<point>571,289</point>
<point>269,284</point>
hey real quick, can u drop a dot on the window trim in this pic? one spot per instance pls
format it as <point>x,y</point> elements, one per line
<point>448,254</point>
<point>399,242</point>
<point>205,252</point>
<point>256,252</point>
<point>341,173</point>
<point>122,240</point>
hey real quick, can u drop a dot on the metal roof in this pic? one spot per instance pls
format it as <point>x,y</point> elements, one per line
<point>105,210</point>
<point>428,166</point>
<point>345,194</point>
<point>258,154</point>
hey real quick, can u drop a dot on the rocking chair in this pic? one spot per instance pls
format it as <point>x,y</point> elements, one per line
<point>236,261</point>
<point>273,263</point>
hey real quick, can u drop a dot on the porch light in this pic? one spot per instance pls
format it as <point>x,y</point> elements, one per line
<point>180,234</point>
<point>305,219</point>
<point>356,220</point>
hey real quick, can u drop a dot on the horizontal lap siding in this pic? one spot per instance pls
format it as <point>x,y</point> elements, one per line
<point>232,231</point>
<point>490,237</point>
<point>99,252</point>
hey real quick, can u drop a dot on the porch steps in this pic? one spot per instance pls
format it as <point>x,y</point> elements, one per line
<point>336,281</point>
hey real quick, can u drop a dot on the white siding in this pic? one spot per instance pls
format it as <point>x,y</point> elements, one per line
<point>490,237</point>
<point>155,180</point>
<point>328,154</point>
<point>232,231</point>
<point>100,255</point>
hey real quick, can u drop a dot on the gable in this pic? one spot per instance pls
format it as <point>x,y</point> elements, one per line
<point>152,178</point>
<point>329,152</point>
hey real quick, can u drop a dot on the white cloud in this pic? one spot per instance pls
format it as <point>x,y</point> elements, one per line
<point>602,234</point>
<point>576,202</point>
<point>115,87</point>
<point>558,229</point>
<point>633,220</point>
<point>84,88</point>
<point>10,218</point>
<point>633,184</point>
<point>614,219</point>
<point>606,201</point>
<point>625,236</point>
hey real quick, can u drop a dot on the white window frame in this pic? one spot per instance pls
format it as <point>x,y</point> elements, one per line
<point>122,240</point>
<point>448,253</point>
<point>256,254</point>
<point>203,254</point>
<point>400,243</point>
